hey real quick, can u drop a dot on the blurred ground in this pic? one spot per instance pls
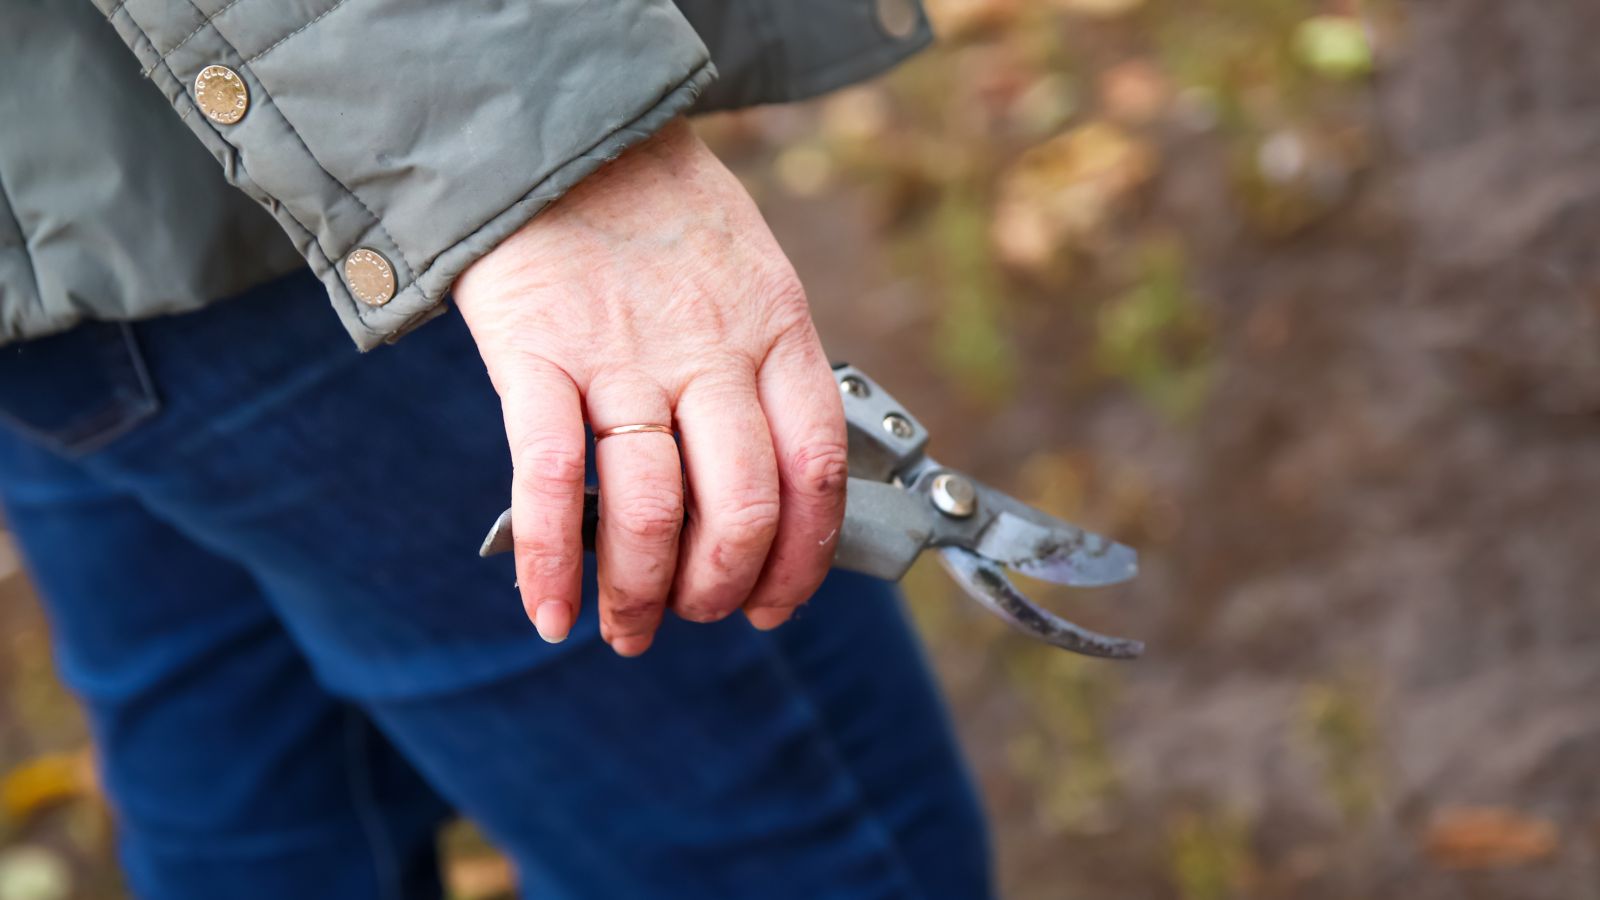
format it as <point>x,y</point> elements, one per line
<point>1303,304</point>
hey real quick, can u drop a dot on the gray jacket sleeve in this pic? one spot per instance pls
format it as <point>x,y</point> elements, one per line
<point>422,131</point>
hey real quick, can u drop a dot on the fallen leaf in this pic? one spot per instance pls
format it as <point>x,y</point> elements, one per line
<point>1134,91</point>
<point>955,19</point>
<point>481,877</point>
<point>1099,9</point>
<point>45,781</point>
<point>1467,837</point>
<point>1045,105</point>
<point>804,171</point>
<point>856,114</point>
<point>1059,194</point>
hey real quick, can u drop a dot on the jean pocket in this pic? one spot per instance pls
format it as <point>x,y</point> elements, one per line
<point>78,391</point>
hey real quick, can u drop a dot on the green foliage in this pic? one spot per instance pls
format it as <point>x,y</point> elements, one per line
<point>971,342</point>
<point>1341,731</point>
<point>1241,52</point>
<point>1065,751</point>
<point>1156,337</point>
<point>1335,46</point>
<point>1210,855</point>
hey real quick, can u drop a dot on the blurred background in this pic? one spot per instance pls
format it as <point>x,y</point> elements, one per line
<point>1300,298</point>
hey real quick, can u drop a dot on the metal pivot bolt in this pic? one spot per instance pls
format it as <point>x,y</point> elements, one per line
<point>898,425</point>
<point>854,387</point>
<point>953,495</point>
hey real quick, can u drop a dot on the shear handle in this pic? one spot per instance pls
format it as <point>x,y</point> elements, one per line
<point>885,529</point>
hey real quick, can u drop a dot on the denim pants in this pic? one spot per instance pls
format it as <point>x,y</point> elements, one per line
<point>257,550</point>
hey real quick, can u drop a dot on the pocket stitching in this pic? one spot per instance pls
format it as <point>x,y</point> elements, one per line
<point>128,406</point>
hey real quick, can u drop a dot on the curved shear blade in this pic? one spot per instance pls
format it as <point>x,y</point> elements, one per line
<point>1043,547</point>
<point>988,585</point>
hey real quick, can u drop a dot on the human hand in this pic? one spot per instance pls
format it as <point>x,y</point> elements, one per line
<point>653,292</point>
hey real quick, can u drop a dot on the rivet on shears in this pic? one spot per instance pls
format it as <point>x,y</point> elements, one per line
<point>898,425</point>
<point>953,495</point>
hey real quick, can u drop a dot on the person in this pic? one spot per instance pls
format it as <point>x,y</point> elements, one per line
<point>256,545</point>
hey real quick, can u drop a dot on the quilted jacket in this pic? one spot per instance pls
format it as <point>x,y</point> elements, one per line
<point>156,155</point>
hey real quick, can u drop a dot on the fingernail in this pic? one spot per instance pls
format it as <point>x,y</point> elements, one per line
<point>767,618</point>
<point>631,645</point>
<point>553,619</point>
<point>700,614</point>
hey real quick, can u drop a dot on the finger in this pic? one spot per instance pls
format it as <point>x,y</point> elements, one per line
<point>733,486</point>
<point>544,426</point>
<point>641,512</point>
<point>806,418</point>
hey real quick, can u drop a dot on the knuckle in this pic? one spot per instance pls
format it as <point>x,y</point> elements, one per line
<point>627,611</point>
<point>723,382</point>
<point>781,284</point>
<point>739,539</point>
<point>538,559</point>
<point>786,300</point>
<point>550,465</point>
<point>653,517</point>
<point>820,469</point>
<point>746,521</point>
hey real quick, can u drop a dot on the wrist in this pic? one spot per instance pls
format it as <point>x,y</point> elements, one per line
<point>644,191</point>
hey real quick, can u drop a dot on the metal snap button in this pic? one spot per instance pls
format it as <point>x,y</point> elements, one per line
<point>370,276</point>
<point>221,94</point>
<point>899,18</point>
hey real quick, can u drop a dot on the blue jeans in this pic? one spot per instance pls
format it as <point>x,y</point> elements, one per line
<point>257,551</point>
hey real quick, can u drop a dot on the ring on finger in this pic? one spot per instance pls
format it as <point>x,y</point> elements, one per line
<point>633,429</point>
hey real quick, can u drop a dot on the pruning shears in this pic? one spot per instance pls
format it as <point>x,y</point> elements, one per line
<point>901,503</point>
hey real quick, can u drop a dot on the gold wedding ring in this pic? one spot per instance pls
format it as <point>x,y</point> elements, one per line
<point>632,429</point>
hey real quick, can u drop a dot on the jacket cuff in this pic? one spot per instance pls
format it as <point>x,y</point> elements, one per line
<point>424,297</point>
<point>424,133</point>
